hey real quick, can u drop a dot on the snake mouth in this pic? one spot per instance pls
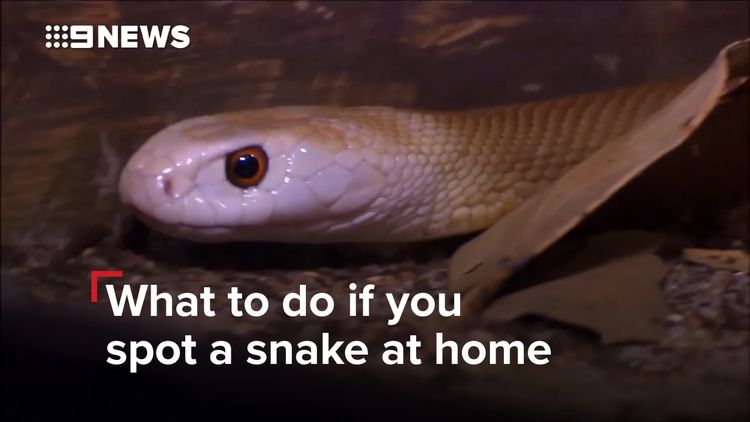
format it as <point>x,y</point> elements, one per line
<point>180,230</point>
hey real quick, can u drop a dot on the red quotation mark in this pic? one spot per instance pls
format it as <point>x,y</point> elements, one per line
<point>95,278</point>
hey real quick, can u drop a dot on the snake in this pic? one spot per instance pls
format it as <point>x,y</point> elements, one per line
<point>323,174</point>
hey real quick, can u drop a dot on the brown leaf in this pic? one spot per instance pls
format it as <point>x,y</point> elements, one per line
<point>735,260</point>
<point>620,297</point>
<point>487,260</point>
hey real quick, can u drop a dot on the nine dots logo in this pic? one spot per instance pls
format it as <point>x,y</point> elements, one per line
<point>117,36</point>
<point>53,34</point>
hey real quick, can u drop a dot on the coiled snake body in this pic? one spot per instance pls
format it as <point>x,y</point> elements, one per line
<point>362,174</point>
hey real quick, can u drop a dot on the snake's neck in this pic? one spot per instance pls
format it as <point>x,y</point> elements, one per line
<point>457,172</point>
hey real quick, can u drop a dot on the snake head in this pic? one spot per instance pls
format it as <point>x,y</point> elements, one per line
<point>268,175</point>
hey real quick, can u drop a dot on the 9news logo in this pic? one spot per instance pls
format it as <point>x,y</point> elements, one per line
<point>116,36</point>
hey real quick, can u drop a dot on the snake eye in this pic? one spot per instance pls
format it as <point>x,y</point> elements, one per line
<point>246,167</point>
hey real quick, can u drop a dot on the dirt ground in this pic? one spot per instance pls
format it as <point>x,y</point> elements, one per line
<point>70,120</point>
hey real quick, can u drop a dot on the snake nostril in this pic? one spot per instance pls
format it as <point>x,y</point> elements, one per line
<point>168,186</point>
<point>175,186</point>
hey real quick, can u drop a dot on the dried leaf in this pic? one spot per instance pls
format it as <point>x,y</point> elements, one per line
<point>735,260</point>
<point>489,259</point>
<point>620,297</point>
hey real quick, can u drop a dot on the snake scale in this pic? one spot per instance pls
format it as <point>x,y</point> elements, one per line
<point>317,174</point>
